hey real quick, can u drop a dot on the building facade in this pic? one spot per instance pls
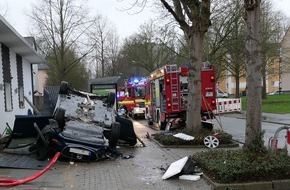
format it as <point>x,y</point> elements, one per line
<point>285,66</point>
<point>17,56</point>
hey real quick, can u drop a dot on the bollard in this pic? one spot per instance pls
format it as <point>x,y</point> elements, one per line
<point>288,142</point>
<point>274,144</point>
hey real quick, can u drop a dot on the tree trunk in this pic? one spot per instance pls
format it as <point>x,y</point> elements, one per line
<point>263,73</point>
<point>198,14</point>
<point>237,95</point>
<point>193,115</point>
<point>253,59</point>
<point>264,92</point>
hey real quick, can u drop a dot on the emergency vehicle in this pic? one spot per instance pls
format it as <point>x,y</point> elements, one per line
<point>168,89</point>
<point>132,97</point>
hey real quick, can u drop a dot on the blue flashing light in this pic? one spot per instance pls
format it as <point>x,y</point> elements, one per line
<point>136,81</point>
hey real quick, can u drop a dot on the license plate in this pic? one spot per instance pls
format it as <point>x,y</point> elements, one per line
<point>209,94</point>
<point>80,151</point>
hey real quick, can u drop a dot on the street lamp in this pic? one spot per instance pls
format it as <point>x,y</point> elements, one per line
<point>280,61</point>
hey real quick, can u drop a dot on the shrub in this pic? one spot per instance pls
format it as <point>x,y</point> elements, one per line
<point>167,138</point>
<point>230,166</point>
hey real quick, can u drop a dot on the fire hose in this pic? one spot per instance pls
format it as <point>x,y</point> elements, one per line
<point>8,182</point>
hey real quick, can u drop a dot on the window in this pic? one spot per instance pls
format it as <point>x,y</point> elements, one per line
<point>20,81</point>
<point>140,91</point>
<point>6,77</point>
<point>272,83</point>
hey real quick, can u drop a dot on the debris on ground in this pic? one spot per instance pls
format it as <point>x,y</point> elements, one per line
<point>184,166</point>
<point>147,135</point>
<point>190,177</point>
<point>127,156</point>
<point>184,136</point>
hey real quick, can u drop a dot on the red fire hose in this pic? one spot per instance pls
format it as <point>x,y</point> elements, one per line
<point>8,182</point>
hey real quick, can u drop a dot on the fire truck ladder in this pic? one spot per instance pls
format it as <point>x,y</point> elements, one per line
<point>174,89</point>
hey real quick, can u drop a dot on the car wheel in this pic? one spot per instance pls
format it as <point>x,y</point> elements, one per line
<point>161,125</point>
<point>63,88</point>
<point>115,134</point>
<point>149,121</point>
<point>59,116</point>
<point>211,142</point>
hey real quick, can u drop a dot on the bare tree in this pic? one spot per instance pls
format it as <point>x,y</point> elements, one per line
<point>113,55</point>
<point>285,67</point>
<point>225,40</point>
<point>193,18</point>
<point>77,77</point>
<point>271,36</point>
<point>105,42</point>
<point>59,26</point>
<point>150,48</point>
<point>226,36</point>
<point>254,85</point>
<point>235,49</point>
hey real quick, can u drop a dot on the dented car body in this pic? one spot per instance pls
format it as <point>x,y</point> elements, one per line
<point>84,126</point>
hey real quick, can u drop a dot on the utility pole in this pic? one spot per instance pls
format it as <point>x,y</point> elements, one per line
<point>279,69</point>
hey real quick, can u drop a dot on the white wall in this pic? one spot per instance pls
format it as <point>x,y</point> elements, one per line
<point>9,117</point>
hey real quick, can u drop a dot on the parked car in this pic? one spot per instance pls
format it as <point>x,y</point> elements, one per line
<point>221,94</point>
<point>275,92</point>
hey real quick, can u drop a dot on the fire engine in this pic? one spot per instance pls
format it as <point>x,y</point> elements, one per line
<point>133,97</point>
<point>168,88</point>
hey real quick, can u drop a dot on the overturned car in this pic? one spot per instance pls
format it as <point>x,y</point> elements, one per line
<point>84,126</point>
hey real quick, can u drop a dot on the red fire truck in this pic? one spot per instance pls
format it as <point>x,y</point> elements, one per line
<point>168,89</point>
<point>132,97</point>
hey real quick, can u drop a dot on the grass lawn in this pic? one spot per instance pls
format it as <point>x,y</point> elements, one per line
<point>273,104</point>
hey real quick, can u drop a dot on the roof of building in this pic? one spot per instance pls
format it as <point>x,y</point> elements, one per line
<point>106,80</point>
<point>12,39</point>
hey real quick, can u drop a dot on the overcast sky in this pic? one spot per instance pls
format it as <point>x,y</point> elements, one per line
<point>126,24</point>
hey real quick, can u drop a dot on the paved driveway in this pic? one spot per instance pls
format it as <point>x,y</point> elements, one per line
<point>143,171</point>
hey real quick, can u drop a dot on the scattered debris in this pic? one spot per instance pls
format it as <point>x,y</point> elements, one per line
<point>167,133</point>
<point>181,167</point>
<point>184,136</point>
<point>162,168</point>
<point>147,135</point>
<point>128,156</point>
<point>190,177</point>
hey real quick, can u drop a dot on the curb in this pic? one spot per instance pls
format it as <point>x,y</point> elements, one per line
<point>267,185</point>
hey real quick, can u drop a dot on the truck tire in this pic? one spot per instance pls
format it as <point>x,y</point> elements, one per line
<point>161,124</point>
<point>63,89</point>
<point>59,116</point>
<point>150,121</point>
